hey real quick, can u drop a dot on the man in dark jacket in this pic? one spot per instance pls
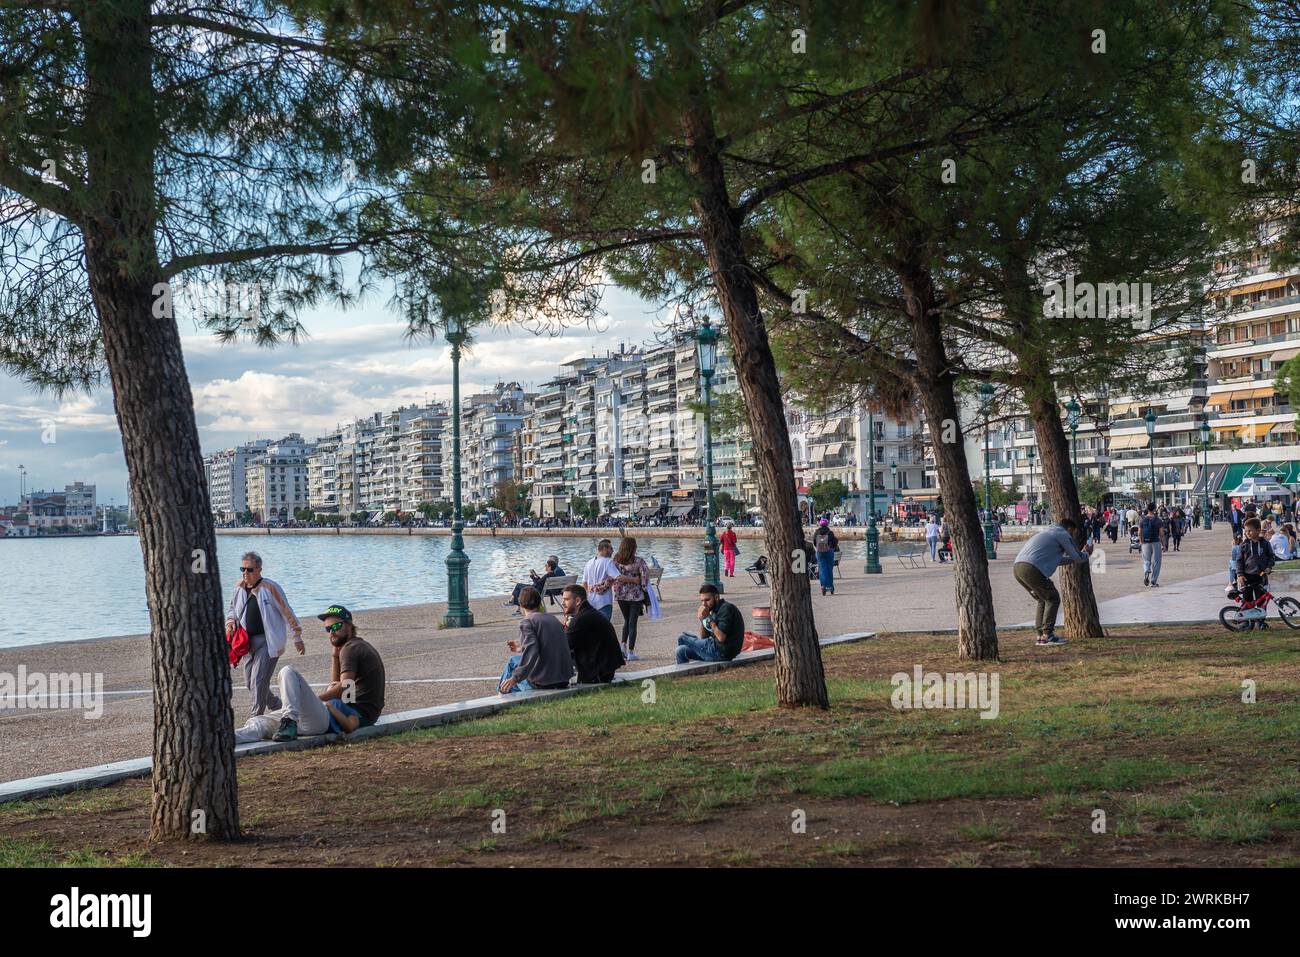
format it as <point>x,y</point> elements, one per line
<point>591,639</point>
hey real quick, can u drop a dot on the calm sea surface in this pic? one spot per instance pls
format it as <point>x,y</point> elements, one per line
<point>72,589</point>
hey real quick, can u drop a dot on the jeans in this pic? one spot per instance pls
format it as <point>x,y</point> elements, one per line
<point>934,548</point>
<point>1151,554</point>
<point>631,612</point>
<point>826,570</point>
<point>694,648</point>
<point>258,669</point>
<point>511,664</point>
<point>1044,592</point>
<point>607,611</point>
<point>301,703</point>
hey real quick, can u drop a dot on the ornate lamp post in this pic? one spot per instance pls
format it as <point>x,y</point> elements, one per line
<point>893,472</point>
<point>1205,487</point>
<point>706,341</point>
<point>458,614</point>
<point>1029,493</point>
<point>872,567</point>
<point>1072,411</point>
<point>986,397</point>
<point>1150,419</point>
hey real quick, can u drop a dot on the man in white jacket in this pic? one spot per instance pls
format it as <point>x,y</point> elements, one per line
<point>267,618</point>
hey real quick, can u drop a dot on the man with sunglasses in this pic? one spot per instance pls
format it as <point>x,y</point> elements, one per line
<point>260,606</point>
<point>355,695</point>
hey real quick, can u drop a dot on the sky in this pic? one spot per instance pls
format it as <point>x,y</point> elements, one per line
<point>351,364</point>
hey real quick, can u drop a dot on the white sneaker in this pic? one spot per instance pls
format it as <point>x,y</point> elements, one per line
<point>633,656</point>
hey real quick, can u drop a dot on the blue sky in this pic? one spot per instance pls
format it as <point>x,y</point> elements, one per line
<point>353,363</point>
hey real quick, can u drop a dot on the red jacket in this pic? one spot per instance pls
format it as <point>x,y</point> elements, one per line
<point>728,541</point>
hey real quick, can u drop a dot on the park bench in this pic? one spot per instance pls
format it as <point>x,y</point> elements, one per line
<point>555,585</point>
<point>656,574</point>
<point>911,556</point>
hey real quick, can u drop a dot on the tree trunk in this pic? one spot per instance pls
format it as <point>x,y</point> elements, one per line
<point>800,680</point>
<point>977,632</point>
<point>194,784</point>
<point>1079,603</point>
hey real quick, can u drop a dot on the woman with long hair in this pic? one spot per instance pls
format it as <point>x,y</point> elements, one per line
<point>630,592</point>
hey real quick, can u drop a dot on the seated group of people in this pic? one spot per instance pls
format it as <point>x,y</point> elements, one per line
<point>548,652</point>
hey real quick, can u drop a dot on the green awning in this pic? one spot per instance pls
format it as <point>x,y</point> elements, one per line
<point>1286,473</point>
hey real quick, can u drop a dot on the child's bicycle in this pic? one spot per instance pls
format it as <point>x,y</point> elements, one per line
<point>1246,615</point>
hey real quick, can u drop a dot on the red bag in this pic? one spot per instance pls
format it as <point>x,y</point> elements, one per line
<point>238,645</point>
<point>755,642</point>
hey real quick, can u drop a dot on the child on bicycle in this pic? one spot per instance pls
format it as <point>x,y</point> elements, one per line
<point>1254,561</point>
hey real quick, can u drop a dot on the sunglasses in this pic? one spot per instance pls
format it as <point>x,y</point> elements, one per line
<point>248,571</point>
<point>335,627</point>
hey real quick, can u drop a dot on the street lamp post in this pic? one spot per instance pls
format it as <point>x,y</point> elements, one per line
<point>706,341</point>
<point>1205,481</point>
<point>1072,410</point>
<point>458,613</point>
<point>986,394</point>
<point>1150,419</point>
<point>1029,492</point>
<point>872,567</point>
<point>893,473</point>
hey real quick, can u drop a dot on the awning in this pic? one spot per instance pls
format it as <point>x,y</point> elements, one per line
<point>921,493</point>
<point>647,512</point>
<point>1127,410</point>
<point>680,511</point>
<point>1283,354</point>
<point>1257,287</point>
<point>1224,399</point>
<point>1288,426</point>
<point>1263,393</point>
<point>1255,431</point>
<point>1137,440</point>
<point>817,454</point>
<point>1288,473</point>
<point>1226,432</point>
<point>1214,474</point>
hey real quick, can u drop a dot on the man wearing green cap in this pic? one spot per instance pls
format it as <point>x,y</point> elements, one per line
<point>355,695</point>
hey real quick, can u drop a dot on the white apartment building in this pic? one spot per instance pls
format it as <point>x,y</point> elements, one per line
<point>227,474</point>
<point>277,484</point>
<point>489,425</point>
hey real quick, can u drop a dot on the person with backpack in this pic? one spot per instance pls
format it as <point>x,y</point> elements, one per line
<point>1255,560</point>
<point>824,545</point>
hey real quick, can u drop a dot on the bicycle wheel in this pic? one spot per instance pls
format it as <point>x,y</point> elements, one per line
<point>1233,618</point>
<point>1289,610</point>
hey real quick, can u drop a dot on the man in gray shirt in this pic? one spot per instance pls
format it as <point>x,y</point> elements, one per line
<point>542,658</point>
<point>1035,565</point>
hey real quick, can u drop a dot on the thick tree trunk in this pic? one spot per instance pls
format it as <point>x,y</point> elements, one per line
<point>194,785</point>
<point>800,680</point>
<point>1078,602</point>
<point>977,632</point>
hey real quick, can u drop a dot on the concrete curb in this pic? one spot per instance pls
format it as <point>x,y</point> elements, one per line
<point>27,789</point>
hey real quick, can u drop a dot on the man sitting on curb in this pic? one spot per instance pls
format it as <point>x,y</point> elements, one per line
<point>354,698</point>
<point>591,639</point>
<point>542,659</point>
<point>1037,562</point>
<point>722,630</point>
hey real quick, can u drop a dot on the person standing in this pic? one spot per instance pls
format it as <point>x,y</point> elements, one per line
<point>260,606</point>
<point>1235,518</point>
<point>1152,533</point>
<point>630,592</point>
<point>824,545</point>
<point>1112,524</point>
<point>598,579</point>
<point>932,537</point>
<point>1176,527</point>
<point>1130,519</point>
<point>1045,552</point>
<point>728,542</point>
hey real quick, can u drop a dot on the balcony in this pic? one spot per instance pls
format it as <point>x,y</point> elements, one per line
<point>1260,304</point>
<point>1160,420</point>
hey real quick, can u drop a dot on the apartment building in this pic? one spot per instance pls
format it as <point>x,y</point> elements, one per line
<point>74,507</point>
<point>490,422</point>
<point>424,441</point>
<point>227,475</point>
<point>277,483</point>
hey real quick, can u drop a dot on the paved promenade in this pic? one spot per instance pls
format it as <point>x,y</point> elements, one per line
<point>428,666</point>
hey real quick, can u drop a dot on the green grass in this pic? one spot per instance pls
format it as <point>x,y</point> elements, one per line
<point>21,852</point>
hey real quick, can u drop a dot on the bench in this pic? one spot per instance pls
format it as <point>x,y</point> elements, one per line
<point>656,574</point>
<point>912,557</point>
<point>555,585</point>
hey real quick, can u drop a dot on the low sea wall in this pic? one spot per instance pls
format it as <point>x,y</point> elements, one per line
<point>911,533</point>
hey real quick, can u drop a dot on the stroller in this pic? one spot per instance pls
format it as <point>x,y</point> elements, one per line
<point>1134,539</point>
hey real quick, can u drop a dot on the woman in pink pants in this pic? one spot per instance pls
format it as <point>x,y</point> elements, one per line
<point>728,540</point>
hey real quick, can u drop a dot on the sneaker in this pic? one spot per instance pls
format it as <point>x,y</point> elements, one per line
<point>823,592</point>
<point>1052,639</point>
<point>1155,584</point>
<point>516,614</point>
<point>633,656</point>
<point>1146,579</point>
<point>507,604</point>
<point>287,731</point>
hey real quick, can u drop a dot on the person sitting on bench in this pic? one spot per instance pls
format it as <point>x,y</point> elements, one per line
<point>758,570</point>
<point>553,570</point>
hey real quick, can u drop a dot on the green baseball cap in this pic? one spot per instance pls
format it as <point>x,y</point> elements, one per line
<point>336,611</point>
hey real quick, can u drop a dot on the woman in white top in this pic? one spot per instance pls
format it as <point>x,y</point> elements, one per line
<point>932,538</point>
